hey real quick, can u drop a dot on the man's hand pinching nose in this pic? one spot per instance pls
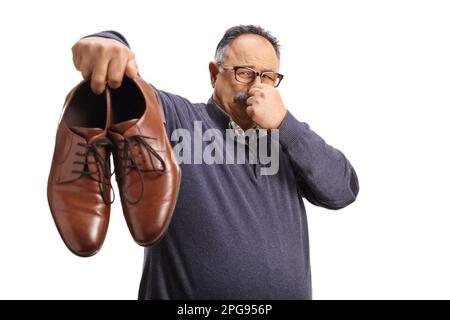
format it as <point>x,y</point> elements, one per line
<point>265,106</point>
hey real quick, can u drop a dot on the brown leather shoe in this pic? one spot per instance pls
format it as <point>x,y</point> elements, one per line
<point>79,185</point>
<point>147,173</point>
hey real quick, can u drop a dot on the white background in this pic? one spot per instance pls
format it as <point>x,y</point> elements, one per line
<point>371,77</point>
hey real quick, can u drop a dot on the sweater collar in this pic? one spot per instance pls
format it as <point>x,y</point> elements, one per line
<point>221,118</point>
<point>224,121</point>
<point>217,114</point>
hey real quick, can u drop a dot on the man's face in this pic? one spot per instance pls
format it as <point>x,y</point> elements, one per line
<point>247,50</point>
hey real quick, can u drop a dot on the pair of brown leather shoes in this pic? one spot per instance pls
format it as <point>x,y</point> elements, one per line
<point>126,122</point>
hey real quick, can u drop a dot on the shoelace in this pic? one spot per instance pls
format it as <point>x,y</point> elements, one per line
<point>129,161</point>
<point>102,165</point>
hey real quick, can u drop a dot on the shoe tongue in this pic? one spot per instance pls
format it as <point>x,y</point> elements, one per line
<point>121,127</point>
<point>87,133</point>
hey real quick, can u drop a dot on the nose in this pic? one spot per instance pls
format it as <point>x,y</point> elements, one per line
<point>257,80</point>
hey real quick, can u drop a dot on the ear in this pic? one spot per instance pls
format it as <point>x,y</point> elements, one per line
<point>213,72</point>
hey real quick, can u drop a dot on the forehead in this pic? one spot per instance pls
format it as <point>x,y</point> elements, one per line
<point>252,50</point>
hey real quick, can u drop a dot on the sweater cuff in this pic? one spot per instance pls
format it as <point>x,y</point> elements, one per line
<point>291,130</point>
<point>110,34</point>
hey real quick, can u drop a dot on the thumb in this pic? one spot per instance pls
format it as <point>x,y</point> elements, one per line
<point>131,69</point>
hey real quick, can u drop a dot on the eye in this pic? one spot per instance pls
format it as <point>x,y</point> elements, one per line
<point>269,76</point>
<point>244,73</point>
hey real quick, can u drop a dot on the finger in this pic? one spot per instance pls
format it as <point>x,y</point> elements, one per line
<point>85,68</point>
<point>250,101</point>
<point>254,91</point>
<point>98,79</point>
<point>76,58</point>
<point>263,85</point>
<point>131,69</point>
<point>76,62</point>
<point>257,86</point>
<point>116,70</point>
<point>250,111</point>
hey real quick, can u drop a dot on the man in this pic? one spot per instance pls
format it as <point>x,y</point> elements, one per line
<point>236,233</point>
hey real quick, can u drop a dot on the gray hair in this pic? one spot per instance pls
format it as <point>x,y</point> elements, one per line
<point>237,31</point>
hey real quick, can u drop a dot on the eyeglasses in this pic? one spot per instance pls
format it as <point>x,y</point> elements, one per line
<point>248,75</point>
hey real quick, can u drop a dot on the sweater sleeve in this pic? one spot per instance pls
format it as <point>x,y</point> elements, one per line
<point>110,34</point>
<point>323,174</point>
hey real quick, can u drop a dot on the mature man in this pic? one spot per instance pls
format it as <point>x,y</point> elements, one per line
<point>235,233</point>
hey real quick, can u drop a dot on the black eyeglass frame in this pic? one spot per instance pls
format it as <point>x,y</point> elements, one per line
<point>255,73</point>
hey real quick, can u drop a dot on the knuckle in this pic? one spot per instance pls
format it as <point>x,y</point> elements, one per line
<point>84,70</point>
<point>88,47</point>
<point>82,45</point>
<point>116,76</point>
<point>99,48</point>
<point>116,49</point>
<point>98,79</point>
